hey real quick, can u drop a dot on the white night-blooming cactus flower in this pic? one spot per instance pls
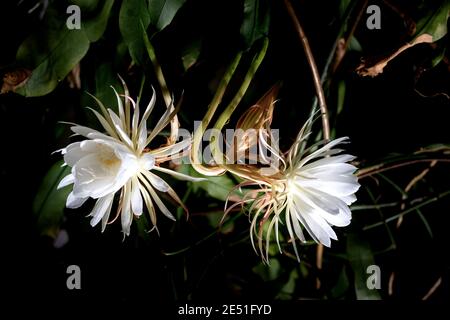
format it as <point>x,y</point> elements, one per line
<point>311,190</point>
<point>118,162</point>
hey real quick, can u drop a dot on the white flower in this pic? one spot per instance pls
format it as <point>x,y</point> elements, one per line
<point>311,190</point>
<point>119,161</point>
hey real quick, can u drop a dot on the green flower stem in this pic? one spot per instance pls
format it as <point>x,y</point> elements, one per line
<point>198,134</point>
<point>226,114</point>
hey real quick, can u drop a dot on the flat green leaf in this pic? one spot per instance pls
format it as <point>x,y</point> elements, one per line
<point>105,77</point>
<point>435,22</point>
<point>95,27</point>
<point>256,21</point>
<point>190,53</point>
<point>354,45</point>
<point>53,49</point>
<point>288,289</point>
<point>49,203</point>
<point>215,221</point>
<point>360,257</point>
<point>268,273</point>
<point>216,187</point>
<point>162,12</point>
<point>132,14</point>
<point>342,285</point>
<point>341,96</point>
<point>137,13</point>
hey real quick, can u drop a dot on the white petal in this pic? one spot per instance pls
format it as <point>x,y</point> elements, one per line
<point>316,226</point>
<point>82,130</point>
<point>90,133</point>
<point>336,186</point>
<point>106,125</point>
<point>142,137</point>
<point>172,149</point>
<point>161,124</point>
<point>73,153</point>
<point>321,151</point>
<point>106,216</point>
<point>149,109</point>
<point>161,205</point>
<point>69,179</point>
<point>126,216</point>
<point>92,179</point>
<point>296,224</point>
<point>136,198</point>
<point>179,175</point>
<point>157,182</point>
<point>147,161</point>
<point>74,202</point>
<point>100,208</point>
<point>332,209</point>
<point>119,128</point>
<point>135,120</point>
<point>348,199</point>
<point>120,108</point>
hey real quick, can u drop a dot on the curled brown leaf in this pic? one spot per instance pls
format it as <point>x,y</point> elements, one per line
<point>373,70</point>
<point>14,79</point>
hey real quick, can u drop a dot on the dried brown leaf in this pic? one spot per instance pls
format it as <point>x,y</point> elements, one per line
<point>15,79</point>
<point>377,68</point>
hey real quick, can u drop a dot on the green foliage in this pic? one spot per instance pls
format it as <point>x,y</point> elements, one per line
<point>268,274</point>
<point>163,11</point>
<point>215,187</point>
<point>137,13</point>
<point>133,13</point>
<point>287,290</point>
<point>360,257</point>
<point>434,22</point>
<point>50,51</point>
<point>256,21</point>
<point>49,203</point>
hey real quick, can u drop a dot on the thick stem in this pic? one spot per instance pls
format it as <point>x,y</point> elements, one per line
<point>226,114</point>
<point>198,134</point>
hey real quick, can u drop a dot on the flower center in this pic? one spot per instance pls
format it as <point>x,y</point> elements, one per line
<point>107,157</point>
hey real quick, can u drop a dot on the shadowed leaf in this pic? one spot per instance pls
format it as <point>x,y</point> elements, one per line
<point>256,21</point>
<point>360,257</point>
<point>49,203</point>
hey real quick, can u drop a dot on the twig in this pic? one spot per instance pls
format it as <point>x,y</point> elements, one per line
<point>314,70</point>
<point>363,173</point>
<point>340,52</point>
<point>391,284</point>
<point>394,217</point>
<point>433,289</point>
<point>321,99</point>
<point>333,52</point>
<point>409,187</point>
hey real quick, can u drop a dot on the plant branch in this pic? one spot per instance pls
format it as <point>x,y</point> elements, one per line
<point>314,70</point>
<point>320,97</point>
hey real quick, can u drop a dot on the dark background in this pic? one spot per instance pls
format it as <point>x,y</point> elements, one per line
<point>382,116</point>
